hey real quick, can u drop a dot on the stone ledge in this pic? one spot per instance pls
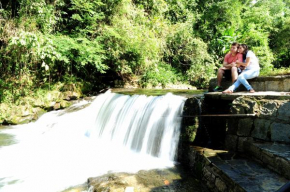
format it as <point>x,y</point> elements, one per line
<point>263,94</point>
<point>268,83</point>
<point>225,172</point>
<point>275,156</point>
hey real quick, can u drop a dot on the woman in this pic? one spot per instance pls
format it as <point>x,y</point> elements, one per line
<point>251,63</point>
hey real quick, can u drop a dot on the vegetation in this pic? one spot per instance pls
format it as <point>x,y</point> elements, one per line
<point>154,42</point>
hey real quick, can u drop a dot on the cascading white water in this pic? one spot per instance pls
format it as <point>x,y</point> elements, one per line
<point>114,133</point>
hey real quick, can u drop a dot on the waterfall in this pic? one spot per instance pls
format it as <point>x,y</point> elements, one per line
<point>114,133</point>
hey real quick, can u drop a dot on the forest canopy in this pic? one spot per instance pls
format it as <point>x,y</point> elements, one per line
<point>151,42</point>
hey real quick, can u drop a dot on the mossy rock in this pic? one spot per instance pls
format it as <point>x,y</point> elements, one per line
<point>70,95</point>
<point>37,112</point>
<point>29,109</point>
<point>245,105</point>
<point>38,103</point>
<point>64,104</point>
<point>54,96</point>
<point>16,120</point>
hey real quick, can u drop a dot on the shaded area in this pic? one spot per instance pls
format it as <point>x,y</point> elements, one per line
<point>281,150</point>
<point>275,156</point>
<point>249,174</point>
<point>212,129</point>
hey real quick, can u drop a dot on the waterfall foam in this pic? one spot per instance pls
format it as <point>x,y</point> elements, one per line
<point>114,133</point>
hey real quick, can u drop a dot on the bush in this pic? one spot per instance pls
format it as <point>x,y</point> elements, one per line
<point>161,74</point>
<point>190,55</point>
<point>132,45</point>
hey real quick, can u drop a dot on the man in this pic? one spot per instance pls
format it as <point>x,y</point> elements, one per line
<point>229,68</point>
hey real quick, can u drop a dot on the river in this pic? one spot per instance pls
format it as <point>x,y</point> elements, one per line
<point>112,133</point>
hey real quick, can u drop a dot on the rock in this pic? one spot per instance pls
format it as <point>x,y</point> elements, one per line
<point>28,108</point>
<point>37,112</point>
<point>221,186</point>
<point>190,125</point>
<point>16,120</point>
<point>231,142</point>
<point>284,112</point>
<point>261,129</point>
<point>56,106</point>
<point>269,108</point>
<point>245,127</point>
<point>38,103</point>
<point>54,96</point>
<point>70,95</point>
<point>64,104</point>
<point>49,105</point>
<point>280,132</point>
<point>171,179</point>
<point>244,105</point>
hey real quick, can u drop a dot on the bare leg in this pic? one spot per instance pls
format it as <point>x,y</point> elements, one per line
<point>220,76</point>
<point>234,72</point>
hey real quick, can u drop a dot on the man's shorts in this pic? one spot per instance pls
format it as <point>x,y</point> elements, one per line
<point>228,73</point>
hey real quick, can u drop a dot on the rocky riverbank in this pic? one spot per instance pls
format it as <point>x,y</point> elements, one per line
<point>30,108</point>
<point>170,179</point>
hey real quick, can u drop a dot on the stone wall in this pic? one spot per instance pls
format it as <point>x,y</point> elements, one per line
<point>271,123</point>
<point>241,120</point>
<point>203,163</point>
<point>265,118</point>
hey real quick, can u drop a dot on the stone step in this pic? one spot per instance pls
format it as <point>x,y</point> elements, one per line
<point>225,172</point>
<point>258,94</point>
<point>279,83</point>
<point>275,156</point>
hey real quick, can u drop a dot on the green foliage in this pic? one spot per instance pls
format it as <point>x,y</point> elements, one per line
<point>39,12</point>
<point>85,14</point>
<point>190,54</point>
<point>76,53</point>
<point>282,46</point>
<point>260,20</point>
<point>46,41</point>
<point>13,88</point>
<point>276,71</point>
<point>180,11</point>
<point>161,75</point>
<point>258,42</point>
<point>132,47</point>
<point>217,17</point>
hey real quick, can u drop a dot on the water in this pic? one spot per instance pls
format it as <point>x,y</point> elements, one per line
<point>188,93</point>
<point>115,133</point>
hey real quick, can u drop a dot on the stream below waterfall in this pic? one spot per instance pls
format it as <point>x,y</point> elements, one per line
<point>112,133</point>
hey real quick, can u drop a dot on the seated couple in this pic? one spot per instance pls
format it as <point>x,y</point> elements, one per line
<point>241,64</point>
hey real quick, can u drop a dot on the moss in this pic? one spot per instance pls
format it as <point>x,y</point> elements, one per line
<point>31,108</point>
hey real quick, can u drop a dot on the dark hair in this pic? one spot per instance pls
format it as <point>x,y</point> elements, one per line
<point>235,44</point>
<point>246,48</point>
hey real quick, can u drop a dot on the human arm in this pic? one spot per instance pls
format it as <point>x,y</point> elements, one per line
<point>226,63</point>
<point>247,62</point>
